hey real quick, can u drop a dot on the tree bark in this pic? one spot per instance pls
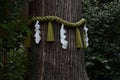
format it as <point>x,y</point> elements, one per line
<point>48,60</point>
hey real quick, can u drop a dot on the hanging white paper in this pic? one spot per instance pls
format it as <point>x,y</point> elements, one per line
<point>86,35</point>
<point>37,32</point>
<point>63,37</point>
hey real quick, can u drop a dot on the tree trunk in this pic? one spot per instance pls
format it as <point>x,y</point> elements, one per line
<point>48,60</point>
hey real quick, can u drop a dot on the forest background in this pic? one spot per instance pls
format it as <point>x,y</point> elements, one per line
<point>102,55</point>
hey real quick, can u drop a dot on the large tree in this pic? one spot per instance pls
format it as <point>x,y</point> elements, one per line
<point>48,60</point>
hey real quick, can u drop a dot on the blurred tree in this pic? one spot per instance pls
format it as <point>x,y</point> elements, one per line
<point>48,60</point>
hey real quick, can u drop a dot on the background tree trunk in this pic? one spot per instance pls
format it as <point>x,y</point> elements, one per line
<point>48,60</point>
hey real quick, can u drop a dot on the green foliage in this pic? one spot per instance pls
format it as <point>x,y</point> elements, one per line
<point>13,59</point>
<point>13,35</point>
<point>10,9</point>
<point>15,67</point>
<point>103,56</point>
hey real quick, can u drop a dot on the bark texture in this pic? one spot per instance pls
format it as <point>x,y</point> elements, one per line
<point>48,60</point>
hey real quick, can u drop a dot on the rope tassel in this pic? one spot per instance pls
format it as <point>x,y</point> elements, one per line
<point>50,34</point>
<point>27,42</point>
<point>78,39</point>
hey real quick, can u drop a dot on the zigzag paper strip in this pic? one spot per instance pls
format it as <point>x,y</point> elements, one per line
<point>37,33</point>
<point>86,36</point>
<point>63,37</point>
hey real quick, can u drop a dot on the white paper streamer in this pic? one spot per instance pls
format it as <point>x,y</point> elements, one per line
<point>37,33</point>
<point>62,37</point>
<point>86,35</point>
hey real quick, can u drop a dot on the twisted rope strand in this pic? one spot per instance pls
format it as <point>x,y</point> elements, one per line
<point>60,20</point>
